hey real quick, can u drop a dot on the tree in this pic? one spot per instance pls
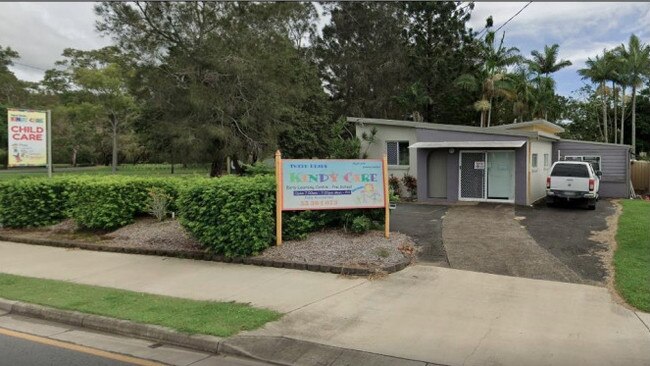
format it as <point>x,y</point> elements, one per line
<point>599,71</point>
<point>492,80</point>
<point>636,58</point>
<point>544,64</point>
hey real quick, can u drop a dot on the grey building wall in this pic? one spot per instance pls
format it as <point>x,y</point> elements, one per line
<point>521,167</point>
<point>614,159</point>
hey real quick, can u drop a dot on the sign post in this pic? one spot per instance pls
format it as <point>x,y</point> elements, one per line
<point>48,129</point>
<point>330,184</point>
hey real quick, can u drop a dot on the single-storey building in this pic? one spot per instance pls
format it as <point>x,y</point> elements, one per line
<point>506,163</point>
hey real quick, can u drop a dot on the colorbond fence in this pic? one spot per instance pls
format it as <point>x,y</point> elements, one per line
<point>641,176</point>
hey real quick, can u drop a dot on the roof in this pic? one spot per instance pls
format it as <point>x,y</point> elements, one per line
<point>608,144</point>
<point>534,123</point>
<point>468,144</point>
<point>446,127</point>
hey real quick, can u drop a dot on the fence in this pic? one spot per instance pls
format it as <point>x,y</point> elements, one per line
<point>641,176</point>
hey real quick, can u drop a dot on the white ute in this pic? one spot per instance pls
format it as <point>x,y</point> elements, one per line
<point>573,180</point>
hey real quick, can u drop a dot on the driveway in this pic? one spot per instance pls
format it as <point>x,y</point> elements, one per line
<point>423,223</point>
<point>557,244</point>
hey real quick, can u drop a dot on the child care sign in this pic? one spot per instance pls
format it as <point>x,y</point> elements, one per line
<point>332,184</point>
<point>326,184</point>
<point>27,137</point>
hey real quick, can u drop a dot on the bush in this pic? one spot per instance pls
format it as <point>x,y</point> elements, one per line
<point>158,203</point>
<point>32,202</point>
<point>411,185</point>
<point>234,216</point>
<point>110,202</point>
<point>360,225</point>
<point>394,186</point>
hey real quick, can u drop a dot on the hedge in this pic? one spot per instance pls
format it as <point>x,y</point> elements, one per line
<point>32,202</point>
<point>233,216</point>
<point>111,202</point>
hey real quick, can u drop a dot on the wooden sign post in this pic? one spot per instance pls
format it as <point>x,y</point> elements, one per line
<point>278,198</point>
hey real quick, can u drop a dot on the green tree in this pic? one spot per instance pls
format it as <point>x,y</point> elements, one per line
<point>636,59</point>
<point>599,71</point>
<point>543,64</point>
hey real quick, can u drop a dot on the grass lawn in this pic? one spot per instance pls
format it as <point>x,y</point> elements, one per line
<point>146,170</point>
<point>221,319</point>
<point>632,258</point>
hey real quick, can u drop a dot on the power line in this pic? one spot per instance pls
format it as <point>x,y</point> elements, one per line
<point>480,35</point>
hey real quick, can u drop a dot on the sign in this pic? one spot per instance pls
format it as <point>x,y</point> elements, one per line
<point>332,184</point>
<point>27,137</point>
<point>480,165</point>
<point>303,184</point>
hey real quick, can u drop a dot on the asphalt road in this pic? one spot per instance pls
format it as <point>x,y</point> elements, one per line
<point>18,352</point>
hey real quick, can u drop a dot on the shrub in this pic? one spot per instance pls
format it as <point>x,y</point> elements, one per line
<point>394,185</point>
<point>32,202</point>
<point>158,203</point>
<point>257,168</point>
<point>112,202</point>
<point>411,185</point>
<point>234,216</point>
<point>360,224</point>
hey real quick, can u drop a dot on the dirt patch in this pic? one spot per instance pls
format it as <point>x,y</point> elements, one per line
<point>608,238</point>
<point>337,248</point>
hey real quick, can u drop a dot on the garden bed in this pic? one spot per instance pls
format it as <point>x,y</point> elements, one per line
<point>331,250</point>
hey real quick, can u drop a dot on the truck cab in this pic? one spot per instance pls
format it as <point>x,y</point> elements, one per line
<point>573,181</point>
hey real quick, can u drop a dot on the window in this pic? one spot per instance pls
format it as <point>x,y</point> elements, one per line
<point>534,161</point>
<point>570,170</point>
<point>546,161</point>
<point>398,152</point>
<point>593,159</point>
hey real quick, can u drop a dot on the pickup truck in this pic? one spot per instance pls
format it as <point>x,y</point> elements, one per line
<point>573,181</point>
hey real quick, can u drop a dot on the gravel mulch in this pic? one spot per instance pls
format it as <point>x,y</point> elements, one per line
<point>154,234</point>
<point>337,248</point>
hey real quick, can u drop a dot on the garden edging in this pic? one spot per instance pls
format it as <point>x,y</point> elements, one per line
<point>207,256</point>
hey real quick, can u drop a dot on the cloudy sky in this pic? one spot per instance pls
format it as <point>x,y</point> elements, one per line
<point>40,31</point>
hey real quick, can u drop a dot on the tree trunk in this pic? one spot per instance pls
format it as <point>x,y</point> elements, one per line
<point>482,118</point>
<point>114,161</point>
<point>171,150</point>
<point>74,156</point>
<point>604,113</point>
<point>634,120</point>
<point>216,168</point>
<point>615,122</point>
<point>622,140</point>
<point>489,119</point>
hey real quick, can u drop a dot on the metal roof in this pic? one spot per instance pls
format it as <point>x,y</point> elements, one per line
<point>536,122</point>
<point>467,144</point>
<point>445,127</point>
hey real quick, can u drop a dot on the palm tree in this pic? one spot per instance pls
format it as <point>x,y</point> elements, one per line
<point>636,58</point>
<point>599,71</point>
<point>546,63</point>
<point>492,79</point>
<point>523,92</point>
<point>615,78</point>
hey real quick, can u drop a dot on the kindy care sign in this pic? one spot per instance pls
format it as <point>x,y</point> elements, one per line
<point>332,184</point>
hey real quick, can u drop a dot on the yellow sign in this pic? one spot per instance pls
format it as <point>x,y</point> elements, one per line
<point>27,137</point>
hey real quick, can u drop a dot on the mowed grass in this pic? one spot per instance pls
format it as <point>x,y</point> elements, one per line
<point>632,258</point>
<point>220,319</point>
<point>145,170</point>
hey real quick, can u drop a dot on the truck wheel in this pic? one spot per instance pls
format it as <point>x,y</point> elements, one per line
<point>591,205</point>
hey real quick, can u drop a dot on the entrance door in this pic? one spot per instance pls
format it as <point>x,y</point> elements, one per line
<point>437,174</point>
<point>500,174</point>
<point>472,175</point>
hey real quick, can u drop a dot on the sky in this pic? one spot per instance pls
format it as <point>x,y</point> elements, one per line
<point>40,31</point>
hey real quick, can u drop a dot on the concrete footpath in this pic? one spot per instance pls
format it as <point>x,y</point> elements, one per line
<point>428,314</point>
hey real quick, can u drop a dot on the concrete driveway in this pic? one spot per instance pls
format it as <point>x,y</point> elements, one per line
<point>423,223</point>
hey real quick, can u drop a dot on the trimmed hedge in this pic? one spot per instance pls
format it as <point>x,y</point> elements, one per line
<point>110,203</point>
<point>233,216</point>
<point>32,202</point>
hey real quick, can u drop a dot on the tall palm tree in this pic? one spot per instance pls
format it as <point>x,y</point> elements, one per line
<point>544,64</point>
<point>598,71</point>
<point>615,78</point>
<point>492,79</point>
<point>636,57</point>
<point>523,92</point>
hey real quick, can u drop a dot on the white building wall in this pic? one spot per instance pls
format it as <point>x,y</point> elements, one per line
<point>537,181</point>
<point>377,149</point>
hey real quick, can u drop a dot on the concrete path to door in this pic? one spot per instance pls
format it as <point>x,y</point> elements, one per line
<point>423,223</point>
<point>423,313</point>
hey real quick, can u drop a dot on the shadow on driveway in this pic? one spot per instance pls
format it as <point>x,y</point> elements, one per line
<point>565,232</point>
<point>423,223</point>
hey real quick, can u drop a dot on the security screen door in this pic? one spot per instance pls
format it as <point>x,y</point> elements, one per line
<point>472,175</point>
<point>487,175</point>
